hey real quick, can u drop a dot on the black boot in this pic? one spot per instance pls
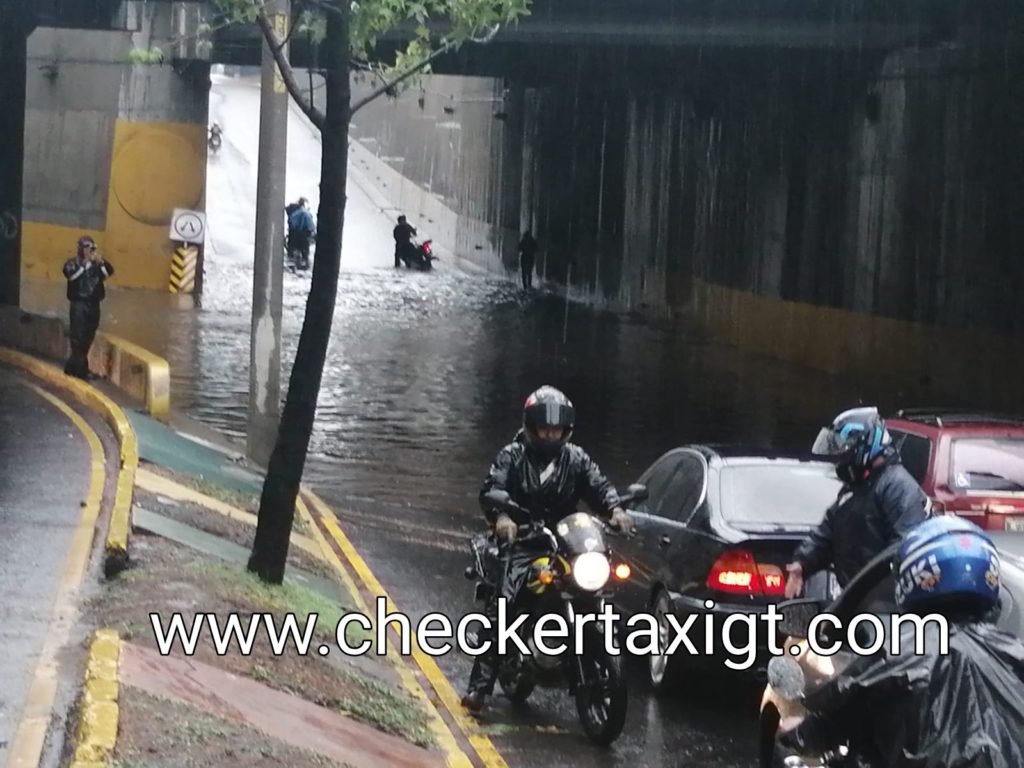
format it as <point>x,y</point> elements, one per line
<point>474,701</point>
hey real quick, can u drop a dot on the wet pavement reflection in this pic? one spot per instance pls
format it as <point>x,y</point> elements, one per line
<point>425,378</point>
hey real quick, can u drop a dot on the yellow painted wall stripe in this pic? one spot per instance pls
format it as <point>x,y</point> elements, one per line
<point>27,744</point>
<point>483,746</point>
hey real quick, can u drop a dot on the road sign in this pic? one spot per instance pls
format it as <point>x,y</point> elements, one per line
<point>188,226</point>
<point>183,269</point>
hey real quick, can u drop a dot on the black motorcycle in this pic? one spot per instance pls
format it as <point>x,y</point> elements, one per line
<point>420,257</point>
<point>572,572</point>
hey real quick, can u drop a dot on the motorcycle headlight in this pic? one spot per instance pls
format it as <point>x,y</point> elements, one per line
<point>591,571</point>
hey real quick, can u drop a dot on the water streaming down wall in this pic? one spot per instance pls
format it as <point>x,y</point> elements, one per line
<point>890,186</point>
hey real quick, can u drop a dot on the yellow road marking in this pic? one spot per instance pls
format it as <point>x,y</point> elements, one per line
<point>154,483</point>
<point>480,743</point>
<point>27,745</point>
<point>455,757</point>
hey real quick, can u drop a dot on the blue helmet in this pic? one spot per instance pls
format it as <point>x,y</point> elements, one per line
<point>856,438</point>
<point>947,560</point>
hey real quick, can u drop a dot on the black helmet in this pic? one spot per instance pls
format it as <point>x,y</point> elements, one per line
<point>856,438</point>
<point>547,407</point>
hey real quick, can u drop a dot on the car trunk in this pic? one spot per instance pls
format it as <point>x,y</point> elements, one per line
<point>771,548</point>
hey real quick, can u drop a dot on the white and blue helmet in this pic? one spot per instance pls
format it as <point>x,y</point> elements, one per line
<point>855,439</point>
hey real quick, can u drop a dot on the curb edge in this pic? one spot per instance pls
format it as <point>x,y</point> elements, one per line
<point>116,547</point>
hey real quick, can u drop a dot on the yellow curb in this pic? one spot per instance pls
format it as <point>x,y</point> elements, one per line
<point>154,483</point>
<point>128,360</point>
<point>116,558</point>
<point>97,726</point>
<point>481,744</point>
<point>455,757</point>
<point>30,734</point>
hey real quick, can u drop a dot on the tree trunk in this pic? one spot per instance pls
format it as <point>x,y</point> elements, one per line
<point>284,473</point>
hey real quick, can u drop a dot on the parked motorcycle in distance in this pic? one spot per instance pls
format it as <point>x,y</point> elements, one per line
<point>215,138</point>
<point>572,572</point>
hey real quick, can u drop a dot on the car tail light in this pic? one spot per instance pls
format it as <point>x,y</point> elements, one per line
<point>737,571</point>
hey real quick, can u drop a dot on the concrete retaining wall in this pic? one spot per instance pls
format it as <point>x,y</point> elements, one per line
<point>846,211</point>
<point>132,369</point>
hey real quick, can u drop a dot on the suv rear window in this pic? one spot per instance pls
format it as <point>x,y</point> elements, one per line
<point>915,451</point>
<point>792,494</point>
<point>987,464</point>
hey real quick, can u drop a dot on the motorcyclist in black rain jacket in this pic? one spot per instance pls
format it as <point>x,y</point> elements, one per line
<point>956,707</point>
<point>547,475</point>
<point>878,503</point>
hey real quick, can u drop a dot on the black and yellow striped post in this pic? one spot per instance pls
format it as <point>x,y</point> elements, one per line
<point>183,269</point>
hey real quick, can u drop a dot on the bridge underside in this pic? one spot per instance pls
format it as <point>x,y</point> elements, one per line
<point>670,27</point>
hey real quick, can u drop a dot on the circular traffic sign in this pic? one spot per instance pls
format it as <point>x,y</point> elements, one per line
<point>188,226</point>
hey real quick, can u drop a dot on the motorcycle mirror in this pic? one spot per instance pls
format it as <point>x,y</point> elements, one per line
<point>500,500</point>
<point>786,677</point>
<point>797,615</point>
<point>635,492</point>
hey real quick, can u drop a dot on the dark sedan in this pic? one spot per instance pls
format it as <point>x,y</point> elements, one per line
<point>719,525</point>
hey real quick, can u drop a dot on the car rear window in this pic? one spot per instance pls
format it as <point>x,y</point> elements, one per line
<point>987,464</point>
<point>788,494</point>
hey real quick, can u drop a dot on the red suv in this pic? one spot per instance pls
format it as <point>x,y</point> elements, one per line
<point>971,465</point>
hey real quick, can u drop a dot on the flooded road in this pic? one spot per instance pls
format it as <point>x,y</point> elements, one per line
<point>425,379</point>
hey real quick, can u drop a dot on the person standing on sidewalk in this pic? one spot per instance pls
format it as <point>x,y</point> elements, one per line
<point>86,274</point>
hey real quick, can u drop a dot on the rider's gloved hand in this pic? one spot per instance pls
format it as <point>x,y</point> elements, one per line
<point>505,529</point>
<point>622,521</point>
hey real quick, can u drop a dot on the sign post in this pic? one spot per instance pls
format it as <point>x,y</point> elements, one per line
<point>188,230</point>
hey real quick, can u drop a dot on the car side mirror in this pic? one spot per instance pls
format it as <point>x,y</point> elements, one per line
<point>797,616</point>
<point>635,492</point>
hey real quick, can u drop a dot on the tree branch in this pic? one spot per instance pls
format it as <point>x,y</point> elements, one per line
<point>287,73</point>
<point>388,85</point>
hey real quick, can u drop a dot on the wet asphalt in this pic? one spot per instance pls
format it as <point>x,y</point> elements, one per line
<point>425,379</point>
<point>38,519</point>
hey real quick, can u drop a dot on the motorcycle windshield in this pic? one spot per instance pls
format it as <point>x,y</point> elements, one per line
<point>579,533</point>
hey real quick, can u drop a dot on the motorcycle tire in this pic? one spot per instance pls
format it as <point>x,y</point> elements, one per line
<point>601,706</point>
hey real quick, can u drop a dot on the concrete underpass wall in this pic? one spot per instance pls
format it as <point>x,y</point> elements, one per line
<point>835,210</point>
<point>441,157</point>
<point>111,148</point>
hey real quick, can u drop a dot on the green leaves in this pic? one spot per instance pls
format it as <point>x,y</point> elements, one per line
<point>146,56</point>
<point>313,26</point>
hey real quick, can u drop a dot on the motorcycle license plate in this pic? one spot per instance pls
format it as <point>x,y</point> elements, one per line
<point>1015,524</point>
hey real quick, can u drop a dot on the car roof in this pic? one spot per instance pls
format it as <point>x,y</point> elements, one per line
<point>958,420</point>
<point>725,455</point>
